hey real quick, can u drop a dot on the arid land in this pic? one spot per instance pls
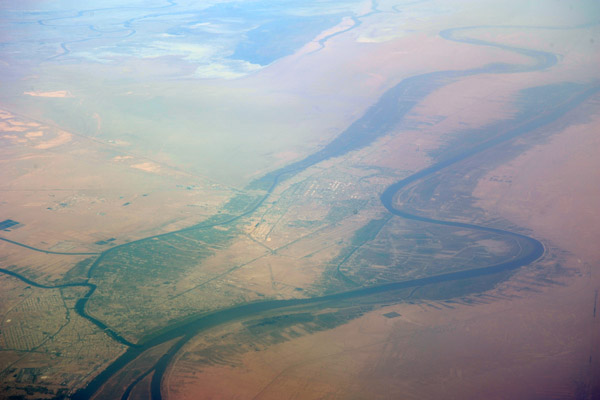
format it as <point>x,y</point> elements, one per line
<point>142,187</point>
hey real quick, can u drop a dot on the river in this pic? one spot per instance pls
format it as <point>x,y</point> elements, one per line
<point>384,115</point>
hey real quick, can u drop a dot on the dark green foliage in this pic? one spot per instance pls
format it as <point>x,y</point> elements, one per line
<point>369,231</point>
<point>241,203</point>
<point>304,224</point>
<point>79,272</point>
<point>463,287</point>
<point>279,322</point>
<point>211,236</point>
<point>343,209</point>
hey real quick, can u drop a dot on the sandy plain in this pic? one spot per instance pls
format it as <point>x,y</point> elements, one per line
<point>294,104</point>
<point>522,347</point>
<point>69,193</point>
<point>116,160</point>
<point>524,339</point>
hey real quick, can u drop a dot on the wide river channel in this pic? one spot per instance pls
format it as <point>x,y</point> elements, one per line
<point>379,120</point>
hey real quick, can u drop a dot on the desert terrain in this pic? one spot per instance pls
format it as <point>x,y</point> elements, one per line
<point>350,200</point>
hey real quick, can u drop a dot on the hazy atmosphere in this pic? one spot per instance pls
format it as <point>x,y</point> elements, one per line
<point>267,199</point>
